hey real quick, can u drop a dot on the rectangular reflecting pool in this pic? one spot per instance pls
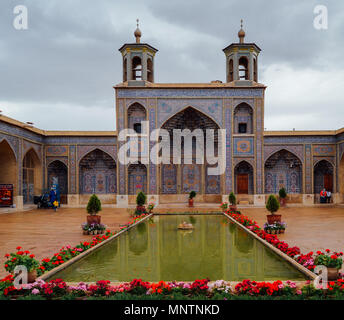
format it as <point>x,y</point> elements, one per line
<point>156,250</point>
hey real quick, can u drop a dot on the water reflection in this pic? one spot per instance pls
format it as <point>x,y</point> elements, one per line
<point>156,250</point>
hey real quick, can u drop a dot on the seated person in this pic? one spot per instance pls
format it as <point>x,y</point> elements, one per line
<point>328,196</point>
<point>323,196</point>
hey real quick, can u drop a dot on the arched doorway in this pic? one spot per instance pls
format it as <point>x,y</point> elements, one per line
<point>283,169</point>
<point>97,173</point>
<point>341,178</point>
<point>8,166</point>
<point>58,175</point>
<point>243,178</point>
<point>323,176</point>
<point>32,176</point>
<point>190,174</point>
<point>137,178</point>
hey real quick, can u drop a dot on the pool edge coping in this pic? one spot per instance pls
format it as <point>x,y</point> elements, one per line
<point>284,256</point>
<point>82,255</point>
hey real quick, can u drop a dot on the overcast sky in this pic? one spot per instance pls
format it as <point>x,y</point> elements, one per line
<point>59,72</point>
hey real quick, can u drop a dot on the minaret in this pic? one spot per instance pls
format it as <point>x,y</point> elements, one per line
<point>242,60</point>
<point>138,60</point>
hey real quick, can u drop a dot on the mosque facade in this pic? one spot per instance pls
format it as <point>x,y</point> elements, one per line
<point>257,162</point>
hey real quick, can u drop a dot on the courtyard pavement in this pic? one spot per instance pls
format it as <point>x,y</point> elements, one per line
<point>44,232</point>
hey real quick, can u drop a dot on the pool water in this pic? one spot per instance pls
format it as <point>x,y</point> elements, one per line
<point>156,250</point>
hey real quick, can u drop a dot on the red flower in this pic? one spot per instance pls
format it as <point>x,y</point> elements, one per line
<point>18,248</point>
<point>32,255</point>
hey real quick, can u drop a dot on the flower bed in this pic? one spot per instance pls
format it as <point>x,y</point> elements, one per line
<point>219,289</point>
<point>199,289</point>
<point>308,260</point>
<point>68,252</point>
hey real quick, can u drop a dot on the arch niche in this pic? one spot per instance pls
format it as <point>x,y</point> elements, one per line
<point>58,174</point>
<point>8,166</point>
<point>243,178</point>
<point>323,176</point>
<point>97,173</point>
<point>32,176</point>
<point>185,177</point>
<point>283,169</point>
<point>341,178</point>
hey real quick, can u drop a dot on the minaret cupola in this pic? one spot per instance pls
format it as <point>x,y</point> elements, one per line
<point>242,61</point>
<point>138,60</point>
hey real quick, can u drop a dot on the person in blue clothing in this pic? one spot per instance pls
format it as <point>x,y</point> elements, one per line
<point>52,196</point>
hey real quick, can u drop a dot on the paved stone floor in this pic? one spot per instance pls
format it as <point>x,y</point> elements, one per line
<point>44,232</point>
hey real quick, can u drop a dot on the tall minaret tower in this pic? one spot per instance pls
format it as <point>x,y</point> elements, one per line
<point>138,60</point>
<point>242,61</point>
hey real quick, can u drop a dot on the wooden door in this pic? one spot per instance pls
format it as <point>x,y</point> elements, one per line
<point>242,183</point>
<point>328,182</point>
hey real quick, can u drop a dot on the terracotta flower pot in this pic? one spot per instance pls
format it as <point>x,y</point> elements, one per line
<point>332,273</point>
<point>191,202</point>
<point>272,218</point>
<point>93,219</point>
<point>32,276</point>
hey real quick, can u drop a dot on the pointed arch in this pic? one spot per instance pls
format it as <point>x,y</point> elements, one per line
<point>283,169</point>
<point>85,150</point>
<point>8,165</point>
<point>341,177</point>
<point>57,173</point>
<point>323,176</point>
<point>243,118</point>
<point>243,178</point>
<point>137,178</point>
<point>97,173</point>
<point>10,145</point>
<point>194,108</point>
<point>135,114</point>
<point>32,175</point>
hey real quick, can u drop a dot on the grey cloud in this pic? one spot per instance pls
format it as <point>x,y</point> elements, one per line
<point>70,54</point>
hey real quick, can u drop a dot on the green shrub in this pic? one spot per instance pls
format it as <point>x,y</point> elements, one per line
<point>272,205</point>
<point>141,199</point>
<point>232,199</point>
<point>282,193</point>
<point>192,194</point>
<point>94,205</point>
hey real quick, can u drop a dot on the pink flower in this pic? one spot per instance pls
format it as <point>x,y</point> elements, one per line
<point>298,292</point>
<point>35,291</point>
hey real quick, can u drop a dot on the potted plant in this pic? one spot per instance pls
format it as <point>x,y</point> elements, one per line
<point>150,207</point>
<point>140,203</point>
<point>93,207</point>
<point>192,195</point>
<point>282,197</point>
<point>101,228</point>
<point>232,201</point>
<point>272,206</point>
<point>85,228</point>
<point>22,258</point>
<point>333,262</point>
<point>224,206</point>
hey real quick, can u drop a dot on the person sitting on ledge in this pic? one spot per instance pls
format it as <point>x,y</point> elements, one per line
<point>328,196</point>
<point>323,196</point>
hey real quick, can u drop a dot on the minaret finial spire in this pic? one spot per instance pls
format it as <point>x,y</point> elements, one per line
<point>137,32</point>
<point>241,33</point>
